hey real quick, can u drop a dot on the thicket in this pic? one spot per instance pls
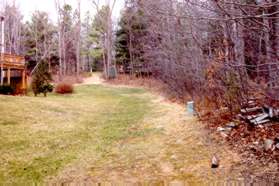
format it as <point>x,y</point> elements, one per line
<point>221,53</point>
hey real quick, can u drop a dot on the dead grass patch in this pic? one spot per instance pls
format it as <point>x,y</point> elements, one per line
<point>154,85</point>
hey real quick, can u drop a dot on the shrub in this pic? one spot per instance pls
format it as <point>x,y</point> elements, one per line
<point>64,88</point>
<point>41,80</point>
<point>45,88</point>
<point>6,90</point>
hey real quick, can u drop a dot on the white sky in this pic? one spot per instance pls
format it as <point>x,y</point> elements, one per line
<point>29,6</point>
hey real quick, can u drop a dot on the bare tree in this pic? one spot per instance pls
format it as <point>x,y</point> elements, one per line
<point>13,22</point>
<point>78,28</point>
<point>108,36</point>
<point>58,8</point>
<point>69,24</point>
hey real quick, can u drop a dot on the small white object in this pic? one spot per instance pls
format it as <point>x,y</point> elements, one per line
<point>191,107</point>
<point>250,109</point>
<point>214,162</point>
<point>268,144</point>
<point>260,118</point>
<point>270,112</point>
<point>221,129</point>
<point>262,122</point>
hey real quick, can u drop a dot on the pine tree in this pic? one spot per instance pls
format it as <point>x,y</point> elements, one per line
<point>122,48</point>
<point>41,80</point>
<point>129,48</point>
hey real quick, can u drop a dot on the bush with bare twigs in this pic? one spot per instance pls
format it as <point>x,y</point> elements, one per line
<point>64,88</point>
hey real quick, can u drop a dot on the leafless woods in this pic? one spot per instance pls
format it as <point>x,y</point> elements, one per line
<point>222,52</point>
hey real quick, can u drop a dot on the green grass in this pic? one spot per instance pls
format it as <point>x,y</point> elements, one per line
<point>104,133</point>
<point>40,136</point>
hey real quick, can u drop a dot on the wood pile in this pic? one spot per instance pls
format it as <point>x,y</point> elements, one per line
<point>256,115</point>
<point>253,133</point>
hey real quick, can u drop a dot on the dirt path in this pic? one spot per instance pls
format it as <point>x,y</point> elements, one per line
<point>95,79</point>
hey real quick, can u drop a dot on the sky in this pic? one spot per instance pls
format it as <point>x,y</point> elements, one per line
<point>29,6</point>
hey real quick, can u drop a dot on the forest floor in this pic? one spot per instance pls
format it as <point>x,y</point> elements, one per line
<point>105,133</point>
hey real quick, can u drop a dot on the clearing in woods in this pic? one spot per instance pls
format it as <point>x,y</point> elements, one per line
<point>105,133</point>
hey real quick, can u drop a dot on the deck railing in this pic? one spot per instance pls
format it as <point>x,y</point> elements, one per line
<point>11,60</point>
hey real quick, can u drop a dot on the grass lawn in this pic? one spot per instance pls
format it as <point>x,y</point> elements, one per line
<point>40,136</point>
<point>98,131</point>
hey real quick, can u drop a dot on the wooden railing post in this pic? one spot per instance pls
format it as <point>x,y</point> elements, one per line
<point>9,76</point>
<point>23,80</point>
<point>2,19</point>
<point>2,74</point>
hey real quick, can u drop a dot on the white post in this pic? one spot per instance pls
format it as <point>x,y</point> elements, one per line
<point>2,48</point>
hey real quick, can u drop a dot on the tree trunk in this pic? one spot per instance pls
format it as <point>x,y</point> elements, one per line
<point>78,42</point>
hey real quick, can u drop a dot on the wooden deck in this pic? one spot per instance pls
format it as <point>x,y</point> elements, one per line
<point>13,61</point>
<point>13,67</point>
